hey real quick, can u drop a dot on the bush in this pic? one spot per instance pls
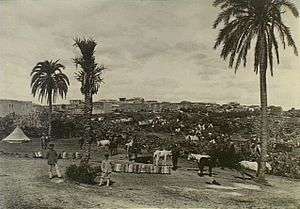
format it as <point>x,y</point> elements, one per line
<point>284,164</point>
<point>82,174</point>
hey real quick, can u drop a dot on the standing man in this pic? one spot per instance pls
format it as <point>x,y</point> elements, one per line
<point>52,158</point>
<point>112,146</point>
<point>47,140</point>
<point>257,156</point>
<point>175,154</point>
<point>106,169</point>
<point>131,149</point>
<point>43,141</point>
<point>81,142</point>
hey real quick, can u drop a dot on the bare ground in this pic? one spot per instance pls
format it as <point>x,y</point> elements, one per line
<point>24,185</point>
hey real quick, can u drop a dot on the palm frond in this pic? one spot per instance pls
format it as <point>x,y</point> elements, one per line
<point>289,6</point>
<point>45,77</point>
<point>90,75</point>
<point>244,21</point>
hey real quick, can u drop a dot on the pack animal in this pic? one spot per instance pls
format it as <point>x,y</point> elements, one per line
<point>248,165</point>
<point>202,161</point>
<point>192,138</point>
<point>161,154</point>
<point>103,143</point>
<point>233,160</point>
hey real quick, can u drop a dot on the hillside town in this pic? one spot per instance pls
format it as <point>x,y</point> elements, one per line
<point>137,104</point>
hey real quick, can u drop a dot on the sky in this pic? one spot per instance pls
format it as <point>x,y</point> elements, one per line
<point>159,50</point>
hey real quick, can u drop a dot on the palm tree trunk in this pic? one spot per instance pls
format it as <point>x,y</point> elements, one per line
<point>50,114</point>
<point>86,153</point>
<point>91,104</point>
<point>264,126</point>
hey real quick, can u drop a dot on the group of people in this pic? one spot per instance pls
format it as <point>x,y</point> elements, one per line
<point>52,160</point>
<point>226,153</point>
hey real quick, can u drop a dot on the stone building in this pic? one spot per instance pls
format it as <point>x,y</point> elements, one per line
<point>15,106</point>
<point>105,106</point>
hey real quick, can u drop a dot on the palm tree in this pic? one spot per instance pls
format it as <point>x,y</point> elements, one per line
<point>90,77</point>
<point>48,81</point>
<point>260,21</point>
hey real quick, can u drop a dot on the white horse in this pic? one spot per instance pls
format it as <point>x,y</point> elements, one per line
<point>248,165</point>
<point>103,143</point>
<point>159,154</point>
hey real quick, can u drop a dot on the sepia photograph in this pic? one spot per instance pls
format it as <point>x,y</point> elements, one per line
<point>149,104</point>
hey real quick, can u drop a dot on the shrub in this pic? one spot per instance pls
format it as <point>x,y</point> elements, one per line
<point>284,164</point>
<point>82,174</point>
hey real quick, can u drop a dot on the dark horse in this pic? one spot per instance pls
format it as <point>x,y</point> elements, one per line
<point>202,161</point>
<point>205,161</point>
<point>217,158</point>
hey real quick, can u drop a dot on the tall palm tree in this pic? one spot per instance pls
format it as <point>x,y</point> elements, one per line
<point>90,77</point>
<point>260,21</point>
<point>48,82</point>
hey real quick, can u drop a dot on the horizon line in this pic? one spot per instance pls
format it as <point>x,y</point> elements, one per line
<point>145,100</point>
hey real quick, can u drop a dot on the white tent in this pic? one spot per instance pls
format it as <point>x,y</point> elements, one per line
<point>17,136</point>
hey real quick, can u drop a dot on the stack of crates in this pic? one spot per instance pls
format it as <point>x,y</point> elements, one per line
<point>141,168</point>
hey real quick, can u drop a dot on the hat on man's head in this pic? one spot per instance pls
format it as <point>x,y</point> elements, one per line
<point>51,145</point>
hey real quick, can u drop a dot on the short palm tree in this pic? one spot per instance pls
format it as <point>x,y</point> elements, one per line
<point>48,82</point>
<point>244,22</point>
<point>90,77</point>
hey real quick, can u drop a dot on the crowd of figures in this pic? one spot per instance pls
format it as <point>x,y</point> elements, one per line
<point>212,135</point>
<point>193,130</point>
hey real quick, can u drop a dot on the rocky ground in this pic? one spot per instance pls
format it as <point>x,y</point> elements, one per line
<point>24,185</point>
